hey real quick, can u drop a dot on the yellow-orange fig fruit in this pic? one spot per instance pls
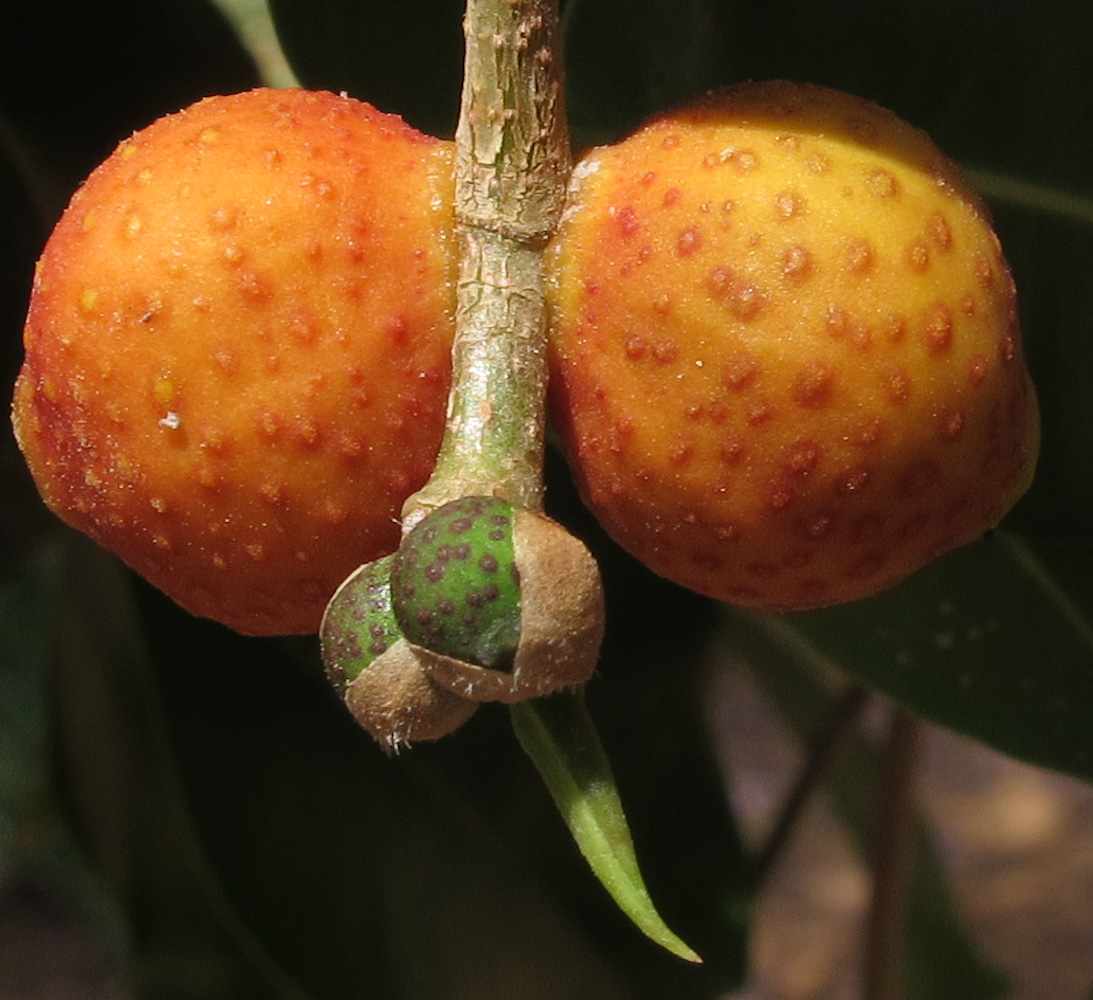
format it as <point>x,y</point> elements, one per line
<point>237,349</point>
<point>785,359</point>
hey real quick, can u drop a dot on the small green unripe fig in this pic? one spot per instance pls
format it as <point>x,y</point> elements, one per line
<point>358,625</point>
<point>377,672</point>
<point>456,588</point>
<point>503,603</point>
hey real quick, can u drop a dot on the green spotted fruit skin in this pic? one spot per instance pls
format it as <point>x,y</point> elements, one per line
<point>359,624</point>
<point>455,586</point>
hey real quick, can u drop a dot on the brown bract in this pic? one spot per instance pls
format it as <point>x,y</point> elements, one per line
<point>561,621</point>
<point>397,702</point>
<point>238,349</point>
<point>785,359</point>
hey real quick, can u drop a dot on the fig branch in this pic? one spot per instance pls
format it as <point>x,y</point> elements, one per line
<point>512,168</point>
<point>512,163</point>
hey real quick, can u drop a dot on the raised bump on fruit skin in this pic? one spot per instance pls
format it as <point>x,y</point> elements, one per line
<point>208,478</point>
<point>858,256</point>
<point>813,385</point>
<point>349,447</point>
<point>334,511</point>
<point>802,457</point>
<point>273,492</point>
<point>788,204</point>
<point>897,385</point>
<point>303,328</point>
<point>867,432</point>
<point>780,495</point>
<point>938,328</point>
<point>837,321</point>
<point>216,441</point>
<point>984,273</point>
<point>861,336</point>
<point>305,432</point>
<point>815,525</point>
<point>916,256</point>
<point>227,362</point>
<point>893,328</point>
<point>224,217</point>
<point>232,255</point>
<point>796,263</point>
<point>740,371</point>
<point>744,299</point>
<point>759,413</point>
<point>269,424</point>
<point>254,287</point>
<point>635,347</point>
<point>744,161</point>
<point>950,423</point>
<point>680,453</point>
<point>626,221</point>
<point>689,242</point>
<point>665,351</point>
<point>979,367</point>
<point>323,188</point>
<point>732,451</point>
<point>881,183</point>
<point>940,234</point>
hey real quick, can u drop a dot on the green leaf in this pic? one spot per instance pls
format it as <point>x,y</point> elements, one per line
<point>985,641</point>
<point>559,736</point>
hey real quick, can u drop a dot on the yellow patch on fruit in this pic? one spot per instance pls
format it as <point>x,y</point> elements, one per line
<point>786,366</point>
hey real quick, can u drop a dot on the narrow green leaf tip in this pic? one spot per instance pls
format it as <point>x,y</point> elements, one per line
<point>558,734</point>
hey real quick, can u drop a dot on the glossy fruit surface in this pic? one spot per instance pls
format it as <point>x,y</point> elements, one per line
<point>237,349</point>
<point>786,366</point>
